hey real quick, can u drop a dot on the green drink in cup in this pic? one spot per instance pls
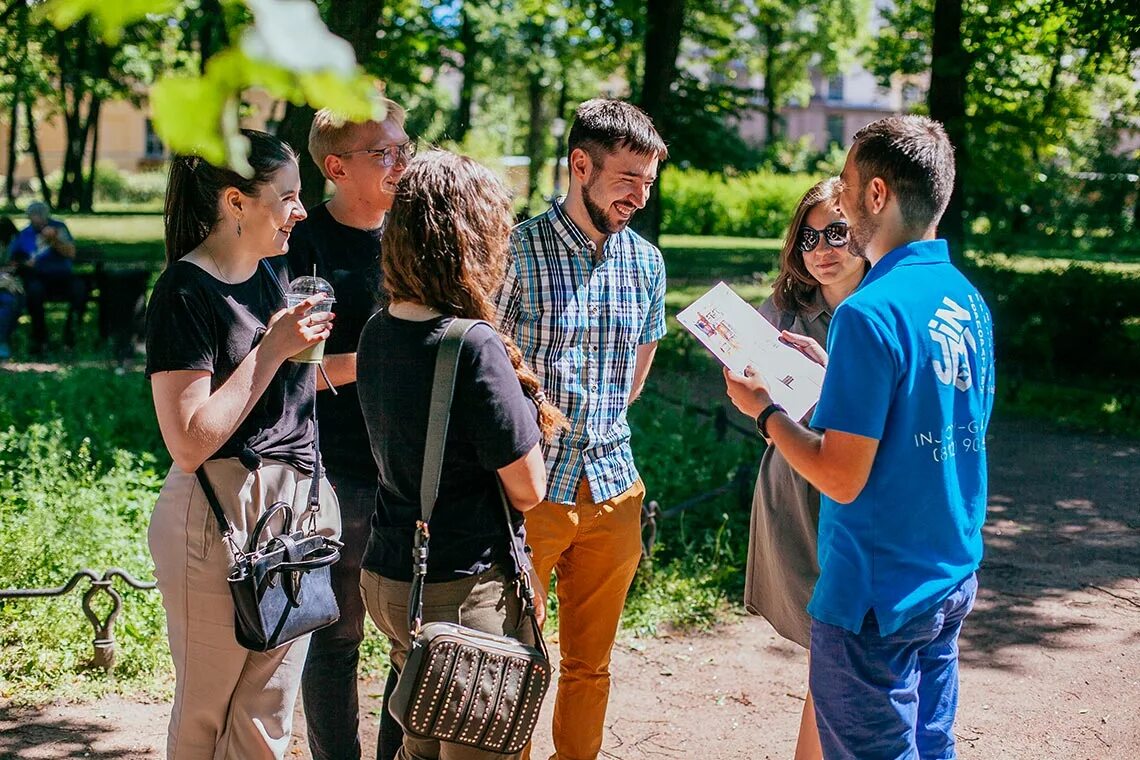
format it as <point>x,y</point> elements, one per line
<point>300,289</point>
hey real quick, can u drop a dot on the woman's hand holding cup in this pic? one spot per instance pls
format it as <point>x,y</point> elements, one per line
<point>298,327</point>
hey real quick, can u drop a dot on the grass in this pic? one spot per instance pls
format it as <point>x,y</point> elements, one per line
<point>1040,261</point>
<point>121,237</point>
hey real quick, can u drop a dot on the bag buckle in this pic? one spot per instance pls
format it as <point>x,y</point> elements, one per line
<point>235,550</point>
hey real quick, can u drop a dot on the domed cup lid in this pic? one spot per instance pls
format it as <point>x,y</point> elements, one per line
<point>310,286</point>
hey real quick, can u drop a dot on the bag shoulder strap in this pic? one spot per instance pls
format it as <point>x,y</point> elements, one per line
<point>439,414</point>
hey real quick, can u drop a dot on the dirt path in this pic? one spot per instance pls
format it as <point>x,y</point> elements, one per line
<point>1051,654</point>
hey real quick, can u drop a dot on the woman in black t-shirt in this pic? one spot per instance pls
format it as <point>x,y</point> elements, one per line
<point>229,402</point>
<point>444,255</point>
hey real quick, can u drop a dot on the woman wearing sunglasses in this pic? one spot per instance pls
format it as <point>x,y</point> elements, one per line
<point>816,273</point>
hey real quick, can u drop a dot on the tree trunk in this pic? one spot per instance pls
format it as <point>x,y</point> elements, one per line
<point>469,42</point>
<point>947,104</point>
<point>535,138</point>
<point>357,21</point>
<point>771,99</point>
<point>34,149</point>
<point>72,94</point>
<point>560,140</point>
<point>294,129</point>
<point>13,135</point>
<point>663,23</point>
<point>87,202</point>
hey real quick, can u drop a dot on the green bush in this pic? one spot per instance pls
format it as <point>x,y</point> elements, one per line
<point>79,474</point>
<point>759,204</point>
<point>117,186</point>
<point>1063,324</point>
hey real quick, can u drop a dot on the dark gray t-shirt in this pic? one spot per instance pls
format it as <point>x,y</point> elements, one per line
<point>195,321</point>
<point>492,424</point>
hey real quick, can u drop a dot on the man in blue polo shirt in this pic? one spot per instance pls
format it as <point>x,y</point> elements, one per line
<point>900,461</point>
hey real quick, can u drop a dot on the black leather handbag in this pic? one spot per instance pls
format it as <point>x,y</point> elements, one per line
<point>282,589</point>
<point>461,685</point>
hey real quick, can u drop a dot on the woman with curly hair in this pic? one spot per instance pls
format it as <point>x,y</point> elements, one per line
<point>444,257</point>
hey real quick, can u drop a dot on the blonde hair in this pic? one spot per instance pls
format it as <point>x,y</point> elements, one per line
<point>332,134</point>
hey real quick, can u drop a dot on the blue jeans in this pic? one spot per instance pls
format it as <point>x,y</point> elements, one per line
<point>890,697</point>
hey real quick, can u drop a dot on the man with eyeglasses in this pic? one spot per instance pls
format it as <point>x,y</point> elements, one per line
<point>340,239</point>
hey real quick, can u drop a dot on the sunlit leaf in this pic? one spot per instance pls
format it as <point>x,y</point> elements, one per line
<point>187,113</point>
<point>353,98</point>
<point>110,16</point>
<point>290,33</point>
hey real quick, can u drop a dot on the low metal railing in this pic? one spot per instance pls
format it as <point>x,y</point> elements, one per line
<point>741,481</point>
<point>104,642</point>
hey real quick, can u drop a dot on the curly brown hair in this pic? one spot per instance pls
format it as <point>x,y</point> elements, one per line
<point>446,246</point>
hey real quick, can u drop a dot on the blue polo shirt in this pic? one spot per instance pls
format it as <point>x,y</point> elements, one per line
<point>911,364</point>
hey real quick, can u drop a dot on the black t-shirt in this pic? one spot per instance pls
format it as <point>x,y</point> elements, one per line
<point>195,321</point>
<point>349,259</point>
<point>492,424</point>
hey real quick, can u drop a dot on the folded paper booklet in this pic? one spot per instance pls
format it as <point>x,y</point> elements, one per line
<point>738,336</point>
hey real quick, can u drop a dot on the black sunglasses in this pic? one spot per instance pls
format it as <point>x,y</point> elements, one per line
<point>835,234</point>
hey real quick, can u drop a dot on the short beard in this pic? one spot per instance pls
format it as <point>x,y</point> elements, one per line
<point>597,214</point>
<point>862,230</point>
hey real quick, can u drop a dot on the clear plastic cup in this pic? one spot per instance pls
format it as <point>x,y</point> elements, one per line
<point>300,289</point>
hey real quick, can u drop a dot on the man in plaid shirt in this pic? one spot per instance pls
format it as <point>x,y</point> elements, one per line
<point>584,299</point>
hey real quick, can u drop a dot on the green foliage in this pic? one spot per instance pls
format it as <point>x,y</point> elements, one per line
<point>110,18</point>
<point>116,186</point>
<point>757,204</point>
<point>1048,87</point>
<point>1059,325</point>
<point>282,47</point>
<point>79,472</point>
<point>788,41</point>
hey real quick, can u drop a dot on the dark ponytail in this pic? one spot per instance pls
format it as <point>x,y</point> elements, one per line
<point>192,193</point>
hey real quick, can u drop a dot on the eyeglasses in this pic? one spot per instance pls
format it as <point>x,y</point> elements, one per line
<point>387,156</point>
<point>835,234</point>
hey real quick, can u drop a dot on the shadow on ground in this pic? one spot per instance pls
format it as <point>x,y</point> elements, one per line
<point>43,736</point>
<point>1064,517</point>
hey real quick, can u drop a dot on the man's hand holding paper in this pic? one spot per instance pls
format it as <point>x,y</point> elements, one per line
<point>788,367</point>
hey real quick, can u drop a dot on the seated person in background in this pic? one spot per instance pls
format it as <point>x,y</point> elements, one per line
<point>43,253</point>
<point>11,290</point>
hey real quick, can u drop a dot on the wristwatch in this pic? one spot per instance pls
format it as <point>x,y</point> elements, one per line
<point>762,418</point>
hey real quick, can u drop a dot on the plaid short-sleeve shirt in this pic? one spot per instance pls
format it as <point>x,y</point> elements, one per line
<point>578,322</point>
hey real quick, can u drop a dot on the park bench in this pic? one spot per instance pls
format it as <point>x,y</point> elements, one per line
<point>118,288</point>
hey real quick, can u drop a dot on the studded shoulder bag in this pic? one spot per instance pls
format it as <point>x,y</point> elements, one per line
<point>458,684</point>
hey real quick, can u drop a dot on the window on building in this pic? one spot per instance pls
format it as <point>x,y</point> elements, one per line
<point>154,147</point>
<point>835,87</point>
<point>835,128</point>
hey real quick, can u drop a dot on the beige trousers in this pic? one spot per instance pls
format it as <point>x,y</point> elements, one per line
<point>486,602</point>
<point>229,702</point>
